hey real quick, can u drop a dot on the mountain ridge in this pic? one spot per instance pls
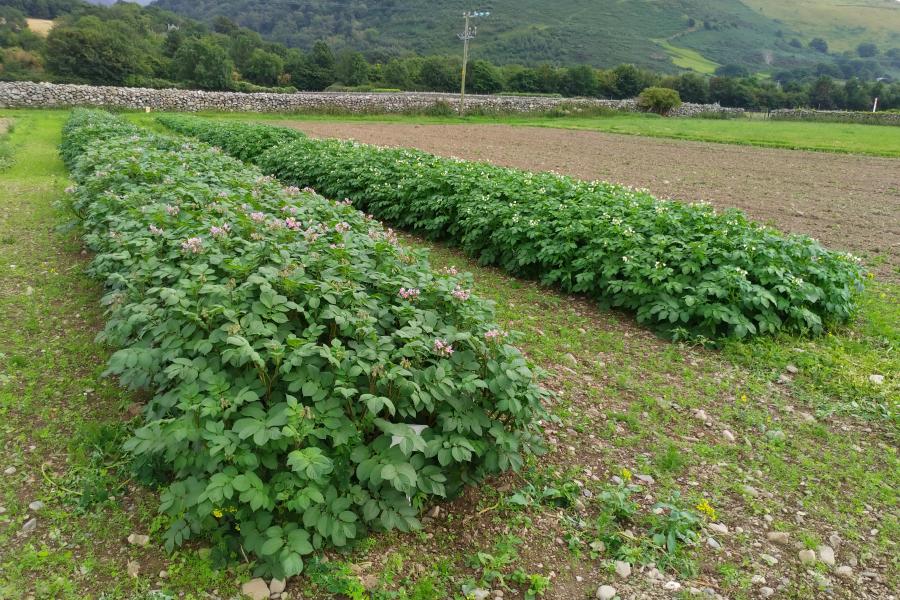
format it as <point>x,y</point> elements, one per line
<point>656,34</point>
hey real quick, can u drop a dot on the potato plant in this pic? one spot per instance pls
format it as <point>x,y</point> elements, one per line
<point>683,268</point>
<point>311,378</point>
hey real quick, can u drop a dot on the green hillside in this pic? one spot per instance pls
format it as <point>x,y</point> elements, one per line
<point>843,23</point>
<point>649,33</point>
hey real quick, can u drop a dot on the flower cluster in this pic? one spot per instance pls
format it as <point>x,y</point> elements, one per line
<point>172,209</point>
<point>192,245</point>
<point>342,227</point>
<point>408,293</point>
<point>494,335</point>
<point>461,294</point>
<point>220,230</point>
<point>156,230</point>
<point>442,348</point>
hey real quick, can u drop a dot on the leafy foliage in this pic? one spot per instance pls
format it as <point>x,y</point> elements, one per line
<point>300,399</point>
<point>682,267</point>
<point>659,100</point>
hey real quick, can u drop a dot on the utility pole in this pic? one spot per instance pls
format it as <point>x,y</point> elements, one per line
<point>467,35</point>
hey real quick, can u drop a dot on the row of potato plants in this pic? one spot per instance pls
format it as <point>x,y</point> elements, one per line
<point>312,378</point>
<point>684,268</point>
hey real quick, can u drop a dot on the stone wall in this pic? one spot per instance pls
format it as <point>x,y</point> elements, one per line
<point>836,116</point>
<point>46,95</point>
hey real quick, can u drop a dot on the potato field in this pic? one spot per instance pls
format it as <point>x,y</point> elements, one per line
<point>240,361</point>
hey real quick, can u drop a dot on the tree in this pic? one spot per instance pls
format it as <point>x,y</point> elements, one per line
<point>440,74</point>
<point>692,87</point>
<point>867,50</point>
<point>659,100</point>
<point>580,81</point>
<point>522,79</point>
<point>855,95</point>
<point>101,53</point>
<point>483,77</point>
<point>629,81</point>
<point>204,63</point>
<point>729,91</point>
<point>732,70</point>
<point>314,72</point>
<point>825,94</point>
<point>396,74</point>
<point>819,45</point>
<point>263,68</point>
<point>351,68</point>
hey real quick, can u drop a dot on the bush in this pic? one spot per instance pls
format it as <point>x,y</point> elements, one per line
<point>659,100</point>
<point>250,88</point>
<point>312,378</point>
<point>682,267</point>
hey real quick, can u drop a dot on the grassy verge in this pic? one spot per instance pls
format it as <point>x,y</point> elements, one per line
<point>844,138</point>
<point>800,460</point>
<point>62,423</point>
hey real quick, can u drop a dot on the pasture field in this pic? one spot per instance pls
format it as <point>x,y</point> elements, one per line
<point>844,24</point>
<point>776,435</point>
<point>41,27</point>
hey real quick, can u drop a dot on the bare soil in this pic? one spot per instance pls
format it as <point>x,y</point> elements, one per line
<point>848,202</point>
<point>4,125</point>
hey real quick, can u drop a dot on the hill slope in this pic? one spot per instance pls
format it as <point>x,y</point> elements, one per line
<point>843,23</point>
<point>603,33</point>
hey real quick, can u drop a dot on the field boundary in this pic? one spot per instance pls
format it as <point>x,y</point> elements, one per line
<point>48,95</point>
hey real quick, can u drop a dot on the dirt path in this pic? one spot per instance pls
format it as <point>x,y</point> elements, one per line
<point>4,125</point>
<point>848,202</point>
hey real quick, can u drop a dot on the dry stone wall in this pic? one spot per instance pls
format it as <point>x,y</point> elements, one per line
<point>837,116</point>
<point>47,95</point>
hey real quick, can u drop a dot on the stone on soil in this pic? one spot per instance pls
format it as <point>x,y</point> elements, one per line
<point>807,557</point>
<point>29,526</point>
<point>136,539</point>
<point>606,592</point>
<point>276,586</point>
<point>623,569</point>
<point>133,569</point>
<point>778,537</point>
<point>826,555</point>
<point>256,589</point>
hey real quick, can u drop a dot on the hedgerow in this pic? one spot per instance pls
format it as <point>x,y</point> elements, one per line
<point>312,379</point>
<point>684,268</point>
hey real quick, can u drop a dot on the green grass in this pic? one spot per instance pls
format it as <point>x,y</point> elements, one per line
<point>688,59</point>
<point>625,401</point>
<point>844,24</point>
<point>846,138</point>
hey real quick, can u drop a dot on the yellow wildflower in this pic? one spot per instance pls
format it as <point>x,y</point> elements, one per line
<point>217,513</point>
<point>706,508</point>
<point>626,474</point>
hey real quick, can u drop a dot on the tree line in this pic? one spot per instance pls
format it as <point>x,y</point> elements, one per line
<point>126,44</point>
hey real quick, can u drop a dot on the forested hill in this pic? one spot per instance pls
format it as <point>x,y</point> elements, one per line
<point>658,34</point>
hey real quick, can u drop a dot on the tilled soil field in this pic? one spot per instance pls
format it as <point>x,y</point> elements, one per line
<point>847,202</point>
